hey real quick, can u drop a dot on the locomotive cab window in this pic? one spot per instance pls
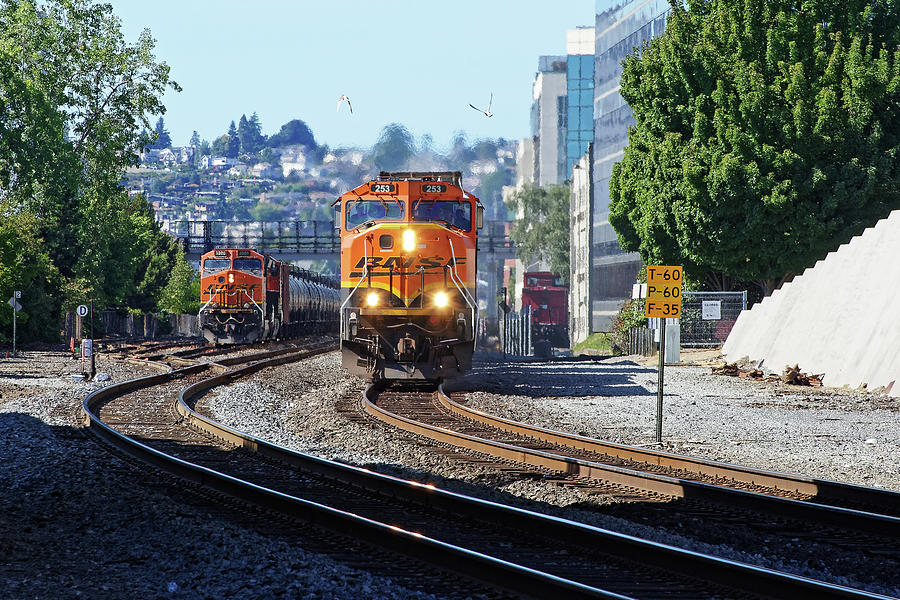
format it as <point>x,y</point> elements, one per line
<point>248,265</point>
<point>363,211</point>
<point>214,265</point>
<point>455,213</point>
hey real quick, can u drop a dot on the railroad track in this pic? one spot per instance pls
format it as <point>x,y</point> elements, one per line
<point>513,549</point>
<point>689,490</point>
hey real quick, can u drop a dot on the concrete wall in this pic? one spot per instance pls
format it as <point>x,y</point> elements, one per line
<point>837,318</point>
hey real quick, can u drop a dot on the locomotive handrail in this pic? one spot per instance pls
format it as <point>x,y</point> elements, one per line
<point>262,313</point>
<point>454,277</point>
<point>365,272</point>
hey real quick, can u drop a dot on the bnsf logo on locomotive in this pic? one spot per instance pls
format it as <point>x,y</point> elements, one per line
<point>229,288</point>
<point>396,263</point>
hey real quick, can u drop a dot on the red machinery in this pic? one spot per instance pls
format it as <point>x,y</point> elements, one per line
<point>548,298</point>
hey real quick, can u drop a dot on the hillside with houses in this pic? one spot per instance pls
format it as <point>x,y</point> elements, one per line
<point>278,180</point>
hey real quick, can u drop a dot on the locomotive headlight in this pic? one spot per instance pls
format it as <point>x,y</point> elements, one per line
<point>441,299</point>
<point>372,299</point>
<point>409,240</point>
<point>231,278</point>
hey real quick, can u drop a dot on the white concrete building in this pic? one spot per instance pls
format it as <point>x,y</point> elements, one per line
<point>547,120</point>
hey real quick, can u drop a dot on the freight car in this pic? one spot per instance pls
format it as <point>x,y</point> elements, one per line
<point>408,263</point>
<point>247,296</point>
<point>548,297</point>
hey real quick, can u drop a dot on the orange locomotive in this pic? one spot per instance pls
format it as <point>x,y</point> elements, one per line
<point>248,296</point>
<point>408,263</point>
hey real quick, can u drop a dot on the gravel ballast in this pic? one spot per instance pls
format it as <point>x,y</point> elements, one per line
<point>72,510</point>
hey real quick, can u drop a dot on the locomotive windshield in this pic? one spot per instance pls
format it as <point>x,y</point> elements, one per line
<point>214,265</point>
<point>452,212</point>
<point>362,211</point>
<point>248,265</point>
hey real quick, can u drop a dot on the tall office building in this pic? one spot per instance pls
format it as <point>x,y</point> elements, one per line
<point>620,27</point>
<point>579,118</point>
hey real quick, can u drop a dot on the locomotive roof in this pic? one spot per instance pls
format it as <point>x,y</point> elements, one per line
<point>454,177</point>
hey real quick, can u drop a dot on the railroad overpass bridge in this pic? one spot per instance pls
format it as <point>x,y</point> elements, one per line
<point>302,240</point>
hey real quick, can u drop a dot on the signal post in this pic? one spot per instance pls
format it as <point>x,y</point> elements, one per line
<point>663,302</point>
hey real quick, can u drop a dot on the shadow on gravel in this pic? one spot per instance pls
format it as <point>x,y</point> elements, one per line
<point>538,379</point>
<point>77,520</point>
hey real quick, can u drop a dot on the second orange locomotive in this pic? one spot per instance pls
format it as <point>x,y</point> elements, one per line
<point>408,264</point>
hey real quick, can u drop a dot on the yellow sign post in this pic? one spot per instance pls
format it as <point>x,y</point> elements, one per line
<point>663,292</point>
<point>663,301</point>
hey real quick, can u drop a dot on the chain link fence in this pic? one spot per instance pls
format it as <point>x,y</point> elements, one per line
<point>707,317</point>
<point>706,320</point>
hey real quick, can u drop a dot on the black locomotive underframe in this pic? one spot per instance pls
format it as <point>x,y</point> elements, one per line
<point>231,327</point>
<point>408,347</point>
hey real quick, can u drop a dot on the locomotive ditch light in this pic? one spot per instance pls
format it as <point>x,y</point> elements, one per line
<point>246,305</point>
<point>372,299</point>
<point>441,299</point>
<point>409,240</point>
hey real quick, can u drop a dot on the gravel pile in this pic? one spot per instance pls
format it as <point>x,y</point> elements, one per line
<point>72,513</point>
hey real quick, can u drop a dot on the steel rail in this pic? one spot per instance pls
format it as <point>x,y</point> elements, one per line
<point>821,489</point>
<point>843,518</point>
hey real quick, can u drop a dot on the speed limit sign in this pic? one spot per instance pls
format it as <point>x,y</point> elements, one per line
<point>82,310</point>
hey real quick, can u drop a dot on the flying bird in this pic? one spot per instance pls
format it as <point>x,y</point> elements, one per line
<point>487,112</point>
<point>342,99</point>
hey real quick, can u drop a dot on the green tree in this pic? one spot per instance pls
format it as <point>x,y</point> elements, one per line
<point>163,139</point>
<point>250,134</point>
<point>766,134</point>
<point>233,143</point>
<point>541,229</point>
<point>181,294</point>
<point>75,99</point>
<point>394,148</point>
<point>267,211</point>
<point>291,133</point>
<point>220,145</point>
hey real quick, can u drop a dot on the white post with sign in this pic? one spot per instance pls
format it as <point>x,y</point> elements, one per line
<point>14,302</point>
<point>663,301</point>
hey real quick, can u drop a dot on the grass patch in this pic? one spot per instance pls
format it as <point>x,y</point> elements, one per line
<point>596,343</point>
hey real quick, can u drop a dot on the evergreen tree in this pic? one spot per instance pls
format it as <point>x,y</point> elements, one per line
<point>163,139</point>
<point>181,294</point>
<point>233,143</point>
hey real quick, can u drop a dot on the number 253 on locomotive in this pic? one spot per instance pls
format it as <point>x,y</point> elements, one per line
<point>408,264</point>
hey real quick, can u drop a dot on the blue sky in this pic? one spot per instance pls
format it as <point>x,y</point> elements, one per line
<point>416,63</point>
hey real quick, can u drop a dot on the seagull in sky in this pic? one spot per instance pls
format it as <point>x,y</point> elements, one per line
<point>487,112</point>
<point>342,99</point>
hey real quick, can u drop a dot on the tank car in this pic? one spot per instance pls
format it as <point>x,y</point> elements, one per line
<point>408,264</point>
<point>247,297</point>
